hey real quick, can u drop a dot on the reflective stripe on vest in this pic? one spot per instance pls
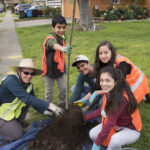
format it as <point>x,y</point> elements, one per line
<point>140,78</point>
<point>136,121</point>
<point>1,82</point>
<point>136,79</point>
<point>8,111</point>
<point>138,82</point>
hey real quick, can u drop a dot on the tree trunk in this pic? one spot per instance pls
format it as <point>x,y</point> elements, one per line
<point>4,6</point>
<point>85,15</point>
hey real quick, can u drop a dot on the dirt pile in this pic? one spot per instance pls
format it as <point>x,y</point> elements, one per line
<point>67,132</point>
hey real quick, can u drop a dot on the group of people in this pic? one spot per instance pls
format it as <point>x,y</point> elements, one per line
<point>115,86</point>
<point>16,90</point>
<point>118,88</point>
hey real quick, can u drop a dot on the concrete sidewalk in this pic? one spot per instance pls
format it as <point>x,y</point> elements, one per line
<point>10,50</point>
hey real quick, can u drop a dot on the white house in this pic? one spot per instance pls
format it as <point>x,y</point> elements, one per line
<point>53,3</point>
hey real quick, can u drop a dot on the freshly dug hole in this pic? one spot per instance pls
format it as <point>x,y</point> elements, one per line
<point>66,132</point>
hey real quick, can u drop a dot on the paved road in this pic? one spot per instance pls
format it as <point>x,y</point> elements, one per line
<point>10,50</point>
<point>33,22</point>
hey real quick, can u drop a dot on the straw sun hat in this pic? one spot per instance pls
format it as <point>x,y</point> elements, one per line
<point>27,63</point>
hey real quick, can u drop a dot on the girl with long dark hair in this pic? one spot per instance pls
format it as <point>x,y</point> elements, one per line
<point>106,56</point>
<point>121,122</point>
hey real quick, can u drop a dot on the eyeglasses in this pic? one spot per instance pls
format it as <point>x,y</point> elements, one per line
<point>31,73</point>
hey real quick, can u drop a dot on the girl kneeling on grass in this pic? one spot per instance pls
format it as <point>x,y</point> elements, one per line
<point>121,122</point>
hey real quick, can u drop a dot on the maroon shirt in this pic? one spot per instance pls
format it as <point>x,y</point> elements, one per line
<point>121,119</point>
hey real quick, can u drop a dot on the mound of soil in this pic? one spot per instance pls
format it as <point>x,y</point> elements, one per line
<point>67,132</point>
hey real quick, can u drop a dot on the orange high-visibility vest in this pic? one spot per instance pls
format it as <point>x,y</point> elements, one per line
<point>59,57</point>
<point>136,79</point>
<point>136,120</point>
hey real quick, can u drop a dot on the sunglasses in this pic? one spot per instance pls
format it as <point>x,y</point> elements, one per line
<point>31,73</point>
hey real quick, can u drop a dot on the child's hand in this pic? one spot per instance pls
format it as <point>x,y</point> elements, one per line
<point>67,49</point>
<point>100,92</point>
<point>95,147</point>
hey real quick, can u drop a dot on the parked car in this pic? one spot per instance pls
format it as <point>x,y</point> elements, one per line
<point>22,7</point>
<point>16,9</point>
<point>1,8</point>
<point>40,9</point>
<point>54,3</point>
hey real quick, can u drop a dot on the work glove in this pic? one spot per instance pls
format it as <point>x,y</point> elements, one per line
<point>80,103</point>
<point>92,98</point>
<point>95,147</point>
<point>48,113</point>
<point>57,110</point>
<point>67,49</point>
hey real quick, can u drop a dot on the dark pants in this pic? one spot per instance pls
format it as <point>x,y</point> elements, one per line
<point>12,130</point>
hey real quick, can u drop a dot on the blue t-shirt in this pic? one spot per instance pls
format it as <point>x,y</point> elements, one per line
<point>81,80</point>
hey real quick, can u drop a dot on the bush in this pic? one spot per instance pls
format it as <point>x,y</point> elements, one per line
<point>110,15</point>
<point>133,13</point>
<point>55,11</point>
<point>130,15</point>
<point>121,10</point>
<point>139,11</point>
<point>117,13</point>
<point>96,12</point>
<point>147,12</point>
<point>46,11</point>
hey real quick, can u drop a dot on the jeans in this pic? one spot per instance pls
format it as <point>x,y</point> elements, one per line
<point>86,90</point>
<point>49,89</point>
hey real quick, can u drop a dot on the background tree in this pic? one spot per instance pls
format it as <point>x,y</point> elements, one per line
<point>85,15</point>
<point>21,1</point>
<point>4,6</point>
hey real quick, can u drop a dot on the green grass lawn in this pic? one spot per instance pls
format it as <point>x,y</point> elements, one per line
<point>14,15</point>
<point>131,39</point>
<point>2,15</point>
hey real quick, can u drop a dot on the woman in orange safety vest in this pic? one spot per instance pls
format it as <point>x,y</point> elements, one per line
<point>106,56</point>
<point>121,122</point>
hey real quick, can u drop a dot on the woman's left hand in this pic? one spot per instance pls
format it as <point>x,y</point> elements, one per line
<point>100,92</point>
<point>95,147</point>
